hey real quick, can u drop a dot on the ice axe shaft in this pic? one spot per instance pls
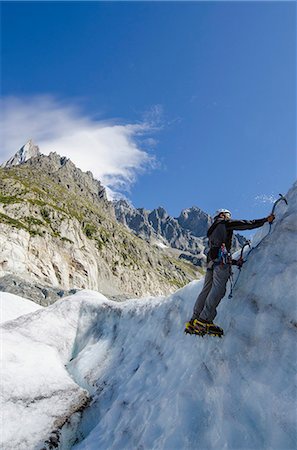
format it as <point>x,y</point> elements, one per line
<point>248,243</point>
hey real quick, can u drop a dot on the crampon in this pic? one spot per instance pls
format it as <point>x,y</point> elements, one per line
<point>194,327</point>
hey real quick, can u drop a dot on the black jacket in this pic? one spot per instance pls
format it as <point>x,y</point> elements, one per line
<point>221,231</point>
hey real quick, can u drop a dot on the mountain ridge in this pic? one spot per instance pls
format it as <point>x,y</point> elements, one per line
<point>57,228</point>
<point>186,233</point>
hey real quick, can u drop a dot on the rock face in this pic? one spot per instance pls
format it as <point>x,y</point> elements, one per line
<point>29,150</point>
<point>41,294</point>
<point>195,220</point>
<point>58,229</point>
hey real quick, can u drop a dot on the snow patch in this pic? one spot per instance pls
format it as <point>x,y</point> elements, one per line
<point>13,306</point>
<point>161,244</point>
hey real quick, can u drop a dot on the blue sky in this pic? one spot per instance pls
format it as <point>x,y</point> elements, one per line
<point>211,86</point>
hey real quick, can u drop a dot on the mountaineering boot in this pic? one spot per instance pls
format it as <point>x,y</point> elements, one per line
<point>193,327</point>
<point>190,327</point>
<point>210,327</point>
<point>201,327</point>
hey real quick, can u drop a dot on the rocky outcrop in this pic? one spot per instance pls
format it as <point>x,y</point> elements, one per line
<point>58,229</point>
<point>42,294</point>
<point>63,173</point>
<point>195,220</point>
<point>29,150</point>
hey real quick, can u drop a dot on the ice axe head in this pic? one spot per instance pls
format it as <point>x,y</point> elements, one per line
<point>282,197</point>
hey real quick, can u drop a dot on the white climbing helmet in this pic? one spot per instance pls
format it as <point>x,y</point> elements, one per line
<point>220,211</point>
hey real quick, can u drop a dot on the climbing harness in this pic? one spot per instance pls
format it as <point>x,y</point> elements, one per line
<point>248,243</point>
<point>223,256</point>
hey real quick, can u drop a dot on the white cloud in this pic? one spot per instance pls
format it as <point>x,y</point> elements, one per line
<point>111,151</point>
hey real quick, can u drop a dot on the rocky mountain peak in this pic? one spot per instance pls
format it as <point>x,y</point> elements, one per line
<point>60,172</point>
<point>63,171</point>
<point>162,213</point>
<point>155,215</point>
<point>123,203</point>
<point>28,151</point>
<point>195,220</point>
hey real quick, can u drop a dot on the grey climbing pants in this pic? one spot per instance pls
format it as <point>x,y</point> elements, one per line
<point>213,291</point>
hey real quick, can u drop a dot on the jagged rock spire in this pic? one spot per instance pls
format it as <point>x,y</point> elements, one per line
<point>29,150</point>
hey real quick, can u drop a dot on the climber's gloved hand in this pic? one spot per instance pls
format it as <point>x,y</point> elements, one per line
<point>270,218</point>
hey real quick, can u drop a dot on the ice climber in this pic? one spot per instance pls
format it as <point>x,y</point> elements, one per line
<point>219,264</point>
